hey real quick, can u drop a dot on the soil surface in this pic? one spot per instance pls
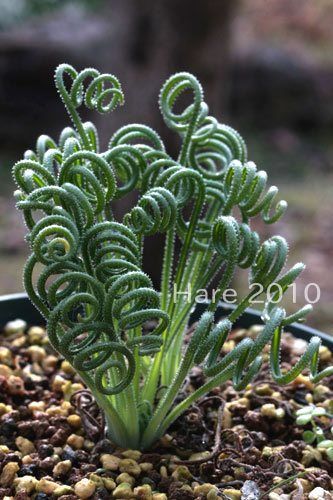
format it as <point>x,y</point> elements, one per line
<point>233,445</point>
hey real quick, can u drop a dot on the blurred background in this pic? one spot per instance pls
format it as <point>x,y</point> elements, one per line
<point>267,70</point>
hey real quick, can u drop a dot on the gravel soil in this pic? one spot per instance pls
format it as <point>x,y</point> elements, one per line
<point>233,445</point>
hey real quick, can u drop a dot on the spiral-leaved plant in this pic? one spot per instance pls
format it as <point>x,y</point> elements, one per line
<point>124,338</point>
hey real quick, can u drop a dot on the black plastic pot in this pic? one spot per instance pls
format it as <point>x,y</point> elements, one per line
<point>18,306</point>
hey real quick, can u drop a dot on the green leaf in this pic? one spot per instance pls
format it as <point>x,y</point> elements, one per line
<point>303,419</point>
<point>327,443</point>
<point>308,436</point>
<point>318,411</point>
<point>307,410</point>
<point>329,454</point>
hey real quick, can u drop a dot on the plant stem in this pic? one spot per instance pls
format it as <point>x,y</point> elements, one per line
<point>154,372</point>
<point>159,424</point>
<point>167,268</point>
<point>169,397</point>
<point>115,426</point>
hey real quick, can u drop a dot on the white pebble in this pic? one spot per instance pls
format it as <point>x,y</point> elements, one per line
<point>319,494</point>
<point>15,326</point>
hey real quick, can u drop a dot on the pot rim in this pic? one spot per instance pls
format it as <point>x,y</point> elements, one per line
<point>12,304</point>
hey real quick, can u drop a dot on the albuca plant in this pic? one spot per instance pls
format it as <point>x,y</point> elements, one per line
<point>125,339</point>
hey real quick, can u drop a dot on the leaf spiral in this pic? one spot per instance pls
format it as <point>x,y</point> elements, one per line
<point>155,211</point>
<point>245,187</point>
<point>102,93</point>
<point>213,147</point>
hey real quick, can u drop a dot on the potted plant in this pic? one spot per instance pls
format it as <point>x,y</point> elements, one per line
<point>159,386</point>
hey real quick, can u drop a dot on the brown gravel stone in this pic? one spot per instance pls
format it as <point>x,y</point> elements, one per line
<point>59,437</point>
<point>62,468</point>
<point>8,473</point>
<point>85,488</point>
<point>15,385</point>
<point>25,446</point>
<point>47,486</point>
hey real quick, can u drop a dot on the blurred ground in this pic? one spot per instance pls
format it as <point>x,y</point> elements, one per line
<point>276,89</point>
